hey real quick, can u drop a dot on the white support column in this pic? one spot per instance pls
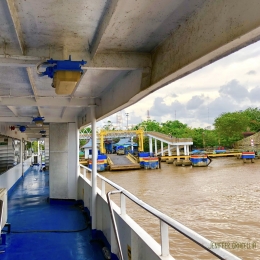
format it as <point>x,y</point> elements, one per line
<point>132,143</point>
<point>188,150</point>
<point>155,147</point>
<point>77,148</point>
<point>94,168</point>
<point>123,204</point>
<point>150,144</point>
<point>103,188</point>
<point>38,153</point>
<point>185,149</point>
<point>22,155</point>
<point>169,150</point>
<point>162,153</point>
<point>178,150</point>
<point>164,238</point>
<point>86,153</point>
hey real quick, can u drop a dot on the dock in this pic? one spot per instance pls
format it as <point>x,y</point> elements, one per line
<point>122,162</point>
<point>211,155</point>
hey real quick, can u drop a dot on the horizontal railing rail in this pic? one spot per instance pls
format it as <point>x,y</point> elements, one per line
<point>168,137</point>
<point>165,221</point>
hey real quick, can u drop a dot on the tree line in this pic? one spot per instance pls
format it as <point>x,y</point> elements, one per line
<point>228,128</point>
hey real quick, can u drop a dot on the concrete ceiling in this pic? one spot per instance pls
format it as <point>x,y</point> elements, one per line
<point>132,48</point>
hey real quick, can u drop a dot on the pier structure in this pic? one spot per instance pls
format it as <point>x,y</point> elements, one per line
<point>122,133</point>
<point>172,142</point>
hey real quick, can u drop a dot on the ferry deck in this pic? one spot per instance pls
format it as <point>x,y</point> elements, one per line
<point>64,66</point>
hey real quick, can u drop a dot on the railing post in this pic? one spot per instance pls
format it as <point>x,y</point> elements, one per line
<point>84,172</point>
<point>94,168</point>
<point>103,188</point>
<point>122,204</point>
<point>162,153</point>
<point>164,238</point>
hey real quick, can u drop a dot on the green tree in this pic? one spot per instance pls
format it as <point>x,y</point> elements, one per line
<point>109,126</point>
<point>254,119</point>
<point>230,126</point>
<point>174,128</point>
<point>34,146</point>
<point>149,125</point>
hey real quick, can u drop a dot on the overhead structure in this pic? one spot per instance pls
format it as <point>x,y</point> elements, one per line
<point>132,48</point>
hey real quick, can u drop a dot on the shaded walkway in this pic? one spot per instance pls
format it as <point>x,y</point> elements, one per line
<point>43,230</point>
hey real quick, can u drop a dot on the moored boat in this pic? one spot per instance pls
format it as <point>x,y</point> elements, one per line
<point>248,156</point>
<point>200,160</point>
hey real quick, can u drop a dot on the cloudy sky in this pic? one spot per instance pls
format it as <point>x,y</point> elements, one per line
<point>227,85</point>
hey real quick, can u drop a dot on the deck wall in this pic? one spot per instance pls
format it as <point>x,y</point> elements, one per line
<point>10,177</point>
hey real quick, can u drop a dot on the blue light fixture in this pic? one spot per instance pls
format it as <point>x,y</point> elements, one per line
<point>65,74</point>
<point>38,120</point>
<point>22,128</point>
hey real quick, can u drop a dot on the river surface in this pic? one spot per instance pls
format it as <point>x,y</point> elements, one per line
<point>220,202</point>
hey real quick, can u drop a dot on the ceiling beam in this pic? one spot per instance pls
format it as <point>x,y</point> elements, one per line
<point>120,61</point>
<point>102,26</point>
<point>19,61</point>
<point>17,25</point>
<point>72,95</point>
<point>116,97</point>
<point>33,85</point>
<point>26,120</point>
<point>43,101</point>
<point>102,61</point>
<point>14,110</point>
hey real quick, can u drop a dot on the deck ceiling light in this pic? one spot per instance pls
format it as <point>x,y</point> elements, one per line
<point>65,74</point>
<point>22,128</point>
<point>38,120</point>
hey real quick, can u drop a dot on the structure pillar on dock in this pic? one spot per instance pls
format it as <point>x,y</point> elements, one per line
<point>169,150</point>
<point>178,152</point>
<point>150,145</point>
<point>155,146</point>
<point>162,153</point>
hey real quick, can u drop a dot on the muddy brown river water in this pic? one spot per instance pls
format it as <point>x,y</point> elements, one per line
<point>220,202</point>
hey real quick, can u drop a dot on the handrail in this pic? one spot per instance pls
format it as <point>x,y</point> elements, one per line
<point>114,222</point>
<point>1,218</point>
<point>192,235</point>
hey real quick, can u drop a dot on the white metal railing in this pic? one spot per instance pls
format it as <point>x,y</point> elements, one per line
<point>165,221</point>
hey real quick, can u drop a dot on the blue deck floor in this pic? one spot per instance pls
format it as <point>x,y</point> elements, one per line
<point>37,226</point>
